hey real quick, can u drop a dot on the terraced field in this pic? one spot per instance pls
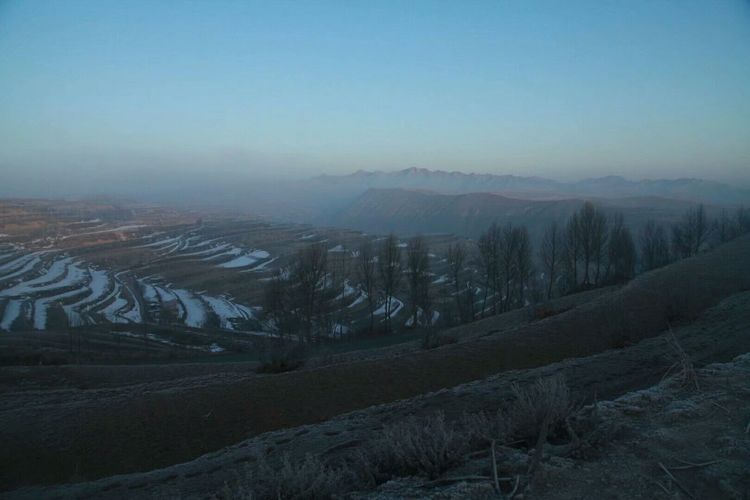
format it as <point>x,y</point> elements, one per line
<point>77,271</point>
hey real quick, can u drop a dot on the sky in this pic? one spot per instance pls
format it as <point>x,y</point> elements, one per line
<point>95,91</point>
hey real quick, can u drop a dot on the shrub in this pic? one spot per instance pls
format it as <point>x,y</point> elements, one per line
<point>546,402</point>
<point>426,447</point>
<point>432,339</point>
<point>280,357</point>
<point>308,479</point>
<point>483,428</point>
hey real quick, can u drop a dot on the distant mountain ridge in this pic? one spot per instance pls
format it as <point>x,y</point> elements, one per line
<point>689,189</point>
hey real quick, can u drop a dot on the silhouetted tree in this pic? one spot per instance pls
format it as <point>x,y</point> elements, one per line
<point>309,273</point>
<point>389,267</point>
<point>277,306</point>
<point>572,249</point>
<point>654,246</point>
<point>690,235</point>
<point>509,243</point>
<point>620,252</point>
<point>550,255</point>
<point>367,277</point>
<point>489,256</point>
<point>522,267</point>
<point>456,261</point>
<point>418,268</point>
<point>593,233</point>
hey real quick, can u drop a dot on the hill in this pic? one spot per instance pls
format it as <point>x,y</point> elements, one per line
<point>134,427</point>
<point>411,211</point>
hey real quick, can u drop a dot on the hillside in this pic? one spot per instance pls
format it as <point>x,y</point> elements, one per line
<point>636,426</point>
<point>100,432</point>
<point>410,211</point>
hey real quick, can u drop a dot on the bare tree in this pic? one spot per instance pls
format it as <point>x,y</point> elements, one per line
<point>276,304</point>
<point>550,255</point>
<point>508,259</point>
<point>489,254</point>
<point>418,267</point>
<point>367,277</point>
<point>309,274</point>
<point>592,225</point>
<point>620,252</point>
<point>654,246</point>
<point>389,266</point>
<point>690,235</point>
<point>742,222</point>
<point>456,261</point>
<point>723,227</point>
<point>340,272</point>
<point>572,249</point>
<point>522,267</point>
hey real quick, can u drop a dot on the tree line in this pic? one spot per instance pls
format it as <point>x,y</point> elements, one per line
<point>497,273</point>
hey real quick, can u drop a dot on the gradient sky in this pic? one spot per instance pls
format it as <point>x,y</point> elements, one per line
<point>271,88</point>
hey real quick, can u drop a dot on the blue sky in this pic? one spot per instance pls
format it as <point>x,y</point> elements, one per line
<point>559,89</point>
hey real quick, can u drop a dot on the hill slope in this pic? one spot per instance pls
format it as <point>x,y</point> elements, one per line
<point>409,211</point>
<point>96,433</point>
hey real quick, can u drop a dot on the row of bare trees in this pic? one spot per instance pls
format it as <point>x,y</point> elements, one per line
<point>307,299</point>
<point>592,249</point>
<point>498,274</point>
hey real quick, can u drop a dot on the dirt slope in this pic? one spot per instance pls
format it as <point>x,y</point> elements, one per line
<point>69,435</point>
<point>719,335</point>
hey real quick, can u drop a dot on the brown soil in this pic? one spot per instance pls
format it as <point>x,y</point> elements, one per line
<point>57,436</point>
<point>719,335</point>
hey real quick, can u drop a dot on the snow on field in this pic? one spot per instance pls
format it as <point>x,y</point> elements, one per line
<point>337,249</point>
<point>362,297</point>
<point>12,310</point>
<point>308,236</point>
<point>41,306</point>
<point>207,251</point>
<point>56,270</point>
<point>442,279</point>
<point>195,313</point>
<point>73,275</point>
<point>161,243</point>
<point>227,310</point>
<point>133,314</point>
<point>246,260</point>
<point>232,252</point>
<point>337,330</point>
<point>420,314</point>
<point>396,306</point>
<point>98,286</point>
<point>262,266</point>
<point>18,263</point>
<point>111,312</point>
<point>149,293</point>
<point>347,292</point>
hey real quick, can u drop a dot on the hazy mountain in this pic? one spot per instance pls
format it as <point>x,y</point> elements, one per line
<point>536,187</point>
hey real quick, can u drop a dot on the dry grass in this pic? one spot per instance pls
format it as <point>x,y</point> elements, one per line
<point>682,369</point>
<point>426,447</point>
<point>483,428</point>
<point>544,404</point>
<point>309,479</point>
